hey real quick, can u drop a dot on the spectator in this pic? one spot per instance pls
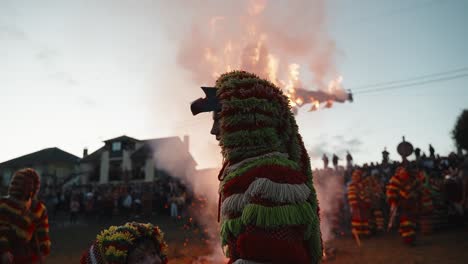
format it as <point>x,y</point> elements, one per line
<point>74,210</point>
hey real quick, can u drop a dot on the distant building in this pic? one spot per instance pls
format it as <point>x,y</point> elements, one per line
<point>54,166</point>
<point>126,159</point>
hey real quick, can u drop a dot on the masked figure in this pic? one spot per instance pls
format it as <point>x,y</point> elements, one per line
<point>268,205</point>
<point>376,195</point>
<point>406,193</point>
<point>24,225</point>
<point>360,204</point>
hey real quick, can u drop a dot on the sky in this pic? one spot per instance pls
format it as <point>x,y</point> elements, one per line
<point>76,73</point>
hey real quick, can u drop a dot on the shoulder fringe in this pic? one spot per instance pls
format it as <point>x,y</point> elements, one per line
<point>278,192</point>
<point>270,217</point>
<point>240,163</point>
<point>280,160</point>
<point>266,189</point>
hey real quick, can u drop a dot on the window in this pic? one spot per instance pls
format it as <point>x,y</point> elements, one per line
<point>117,146</point>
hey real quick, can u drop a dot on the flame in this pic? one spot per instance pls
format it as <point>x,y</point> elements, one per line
<point>299,101</point>
<point>250,51</point>
<point>315,106</point>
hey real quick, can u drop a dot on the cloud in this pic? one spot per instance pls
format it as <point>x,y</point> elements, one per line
<point>64,77</point>
<point>338,145</point>
<point>87,101</point>
<point>47,55</point>
<point>11,32</point>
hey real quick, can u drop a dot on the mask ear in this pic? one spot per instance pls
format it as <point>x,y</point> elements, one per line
<point>207,104</point>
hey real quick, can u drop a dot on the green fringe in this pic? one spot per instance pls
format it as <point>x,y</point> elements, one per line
<point>262,136</point>
<point>252,105</point>
<point>234,75</point>
<point>250,119</point>
<point>273,217</point>
<point>269,217</point>
<point>230,227</point>
<point>278,160</point>
<point>244,152</point>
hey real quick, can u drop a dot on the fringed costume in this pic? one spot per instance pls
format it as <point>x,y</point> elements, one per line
<point>376,195</point>
<point>426,219</point>
<point>24,232</point>
<point>360,204</point>
<point>406,192</point>
<point>268,205</point>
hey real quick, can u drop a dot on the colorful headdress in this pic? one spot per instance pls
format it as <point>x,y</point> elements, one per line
<point>113,245</point>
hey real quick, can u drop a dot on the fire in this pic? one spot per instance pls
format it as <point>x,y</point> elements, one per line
<point>253,47</point>
<point>299,101</point>
<point>315,106</point>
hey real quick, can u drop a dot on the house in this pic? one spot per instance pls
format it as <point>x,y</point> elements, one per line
<point>126,159</point>
<point>54,166</point>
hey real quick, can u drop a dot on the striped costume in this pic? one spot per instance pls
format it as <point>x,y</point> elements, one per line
<point>16,231</point>
<point>24,225</point>
<point>268,205</point>
<point>406,192</point>
<point>360,204</point>
<point>41,222</point>
<point>376,196</point>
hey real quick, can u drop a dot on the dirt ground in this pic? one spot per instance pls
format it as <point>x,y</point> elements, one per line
<point>450,246</point>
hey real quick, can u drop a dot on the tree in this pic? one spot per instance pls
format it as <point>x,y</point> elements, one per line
<point>460,131</point>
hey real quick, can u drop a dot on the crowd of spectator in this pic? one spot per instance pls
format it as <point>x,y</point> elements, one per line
<point>94,202</point>
<point>449,173</point>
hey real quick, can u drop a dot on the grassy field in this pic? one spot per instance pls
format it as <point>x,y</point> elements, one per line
<point>450,246</point>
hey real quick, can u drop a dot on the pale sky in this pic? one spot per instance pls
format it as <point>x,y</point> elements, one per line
<point>75,73</point>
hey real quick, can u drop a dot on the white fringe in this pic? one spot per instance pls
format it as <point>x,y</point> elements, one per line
<point>266,189</point>
<point>91,255</point>
<point>233,204</point>
<point>244,261</point>
<point>278,192</point>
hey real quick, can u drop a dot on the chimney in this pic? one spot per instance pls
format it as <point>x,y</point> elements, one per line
<point>85,152</point>
<point>187,143</point>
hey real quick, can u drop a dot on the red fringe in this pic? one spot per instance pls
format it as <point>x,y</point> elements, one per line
<point>276,173</point>
<point>262,248</point>
<point>84,257</point>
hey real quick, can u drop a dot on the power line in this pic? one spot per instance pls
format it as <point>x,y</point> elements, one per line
<point>374,85</point>
<point>441,79</point>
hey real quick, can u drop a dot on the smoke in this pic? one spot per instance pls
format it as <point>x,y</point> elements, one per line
<point>265,37</point>
<point>284,41</point>
<point>168,156</point>
<point>329,186</point>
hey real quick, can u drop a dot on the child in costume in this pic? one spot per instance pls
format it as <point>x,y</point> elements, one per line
<point>268,205</point>
<point>131,243</point>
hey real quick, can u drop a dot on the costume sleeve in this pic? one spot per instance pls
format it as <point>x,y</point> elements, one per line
<point>42,228</point>
<point>4,231</point>
<point>393,189</point>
